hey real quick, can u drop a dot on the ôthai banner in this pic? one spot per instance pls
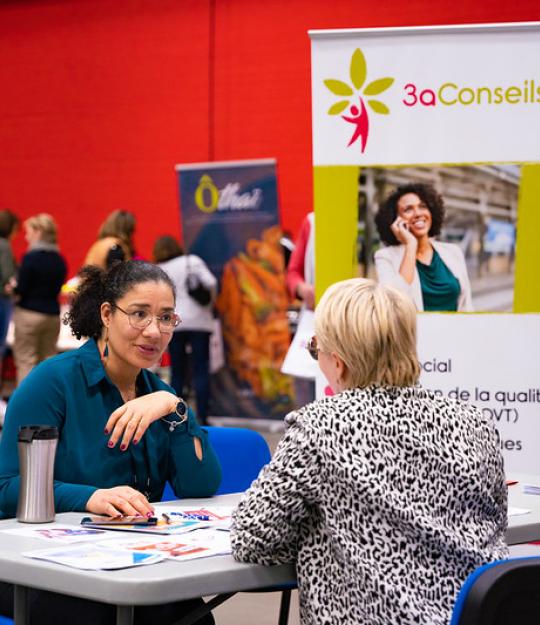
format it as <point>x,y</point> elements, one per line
<point>454,110</point>
<point>230,218</point>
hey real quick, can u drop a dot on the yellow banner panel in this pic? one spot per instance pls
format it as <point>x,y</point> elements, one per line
<point>336,217</point>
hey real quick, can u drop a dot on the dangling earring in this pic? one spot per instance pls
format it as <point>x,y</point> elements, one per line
<point>105,353</point>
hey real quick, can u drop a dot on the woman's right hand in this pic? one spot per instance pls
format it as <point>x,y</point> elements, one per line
<point>400,229</point>
<point>120,500</point>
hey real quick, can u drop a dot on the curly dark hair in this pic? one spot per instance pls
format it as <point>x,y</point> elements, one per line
<point>387,214</point>
<point>98,286</point>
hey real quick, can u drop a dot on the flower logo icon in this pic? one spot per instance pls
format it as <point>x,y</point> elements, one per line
<point>358,113</point>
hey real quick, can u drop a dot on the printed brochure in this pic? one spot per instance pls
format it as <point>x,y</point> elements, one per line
<point>94,557</point>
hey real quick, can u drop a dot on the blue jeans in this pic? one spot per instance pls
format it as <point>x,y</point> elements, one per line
<point>200,366</point>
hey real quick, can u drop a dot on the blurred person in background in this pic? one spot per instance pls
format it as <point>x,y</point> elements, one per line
<point>114,242</point>
<point>301,285</point>
<point>9,223</point>
<point>39,280</point>
<point>301,266</point>
<point>287,245</point>
<point>432,273</point>
<point>197,321</point>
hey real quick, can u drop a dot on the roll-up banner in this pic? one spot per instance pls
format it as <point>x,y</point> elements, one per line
<point>230,218</point>
<point>456,110</point>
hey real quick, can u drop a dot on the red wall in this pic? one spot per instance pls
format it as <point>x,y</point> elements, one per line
<point>100,99</point>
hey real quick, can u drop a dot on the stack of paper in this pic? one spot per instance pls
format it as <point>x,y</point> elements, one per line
<point>215,517</point>
<point>186,533</point>
<point>177,520</point>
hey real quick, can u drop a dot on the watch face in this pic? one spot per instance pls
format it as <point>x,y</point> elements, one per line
<point>181,408</point>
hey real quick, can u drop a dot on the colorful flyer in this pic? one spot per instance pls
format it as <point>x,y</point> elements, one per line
<point>94,557</point>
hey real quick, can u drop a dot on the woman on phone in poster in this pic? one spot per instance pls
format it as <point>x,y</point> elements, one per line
<point>432,273</point>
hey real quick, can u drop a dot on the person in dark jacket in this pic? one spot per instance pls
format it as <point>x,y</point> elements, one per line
<point>40,278</point>
<point>8,268</point>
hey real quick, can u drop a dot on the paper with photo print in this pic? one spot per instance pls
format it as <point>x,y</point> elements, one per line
<point>94,557</point>
<point>58,533</point>
<point>216,517</point>
<point>201,543</point>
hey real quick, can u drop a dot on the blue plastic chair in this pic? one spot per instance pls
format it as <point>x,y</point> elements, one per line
<point>504,592</point>
<point>242,454</point>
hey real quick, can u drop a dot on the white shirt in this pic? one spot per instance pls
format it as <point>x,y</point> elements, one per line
<point>388,261</point>
<point>193,315</point>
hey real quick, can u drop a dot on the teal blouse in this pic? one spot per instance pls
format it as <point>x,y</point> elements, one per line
<point>440,287</point>
<point>73,392</point>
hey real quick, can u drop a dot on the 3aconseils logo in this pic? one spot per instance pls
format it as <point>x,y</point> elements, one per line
<point>452,94</point>
<point>209,198</point>
<point>352,107</point>
<point>353,97</point>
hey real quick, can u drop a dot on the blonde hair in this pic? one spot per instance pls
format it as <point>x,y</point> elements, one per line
<point>372,328</point>
<point>46,225</point>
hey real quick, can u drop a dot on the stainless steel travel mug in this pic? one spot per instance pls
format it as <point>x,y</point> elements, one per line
<point>37,449</point>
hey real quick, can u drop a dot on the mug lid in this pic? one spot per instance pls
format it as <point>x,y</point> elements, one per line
<point>28,433</point>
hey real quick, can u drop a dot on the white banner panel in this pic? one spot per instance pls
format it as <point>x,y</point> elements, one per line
<point>490,361</point>
<point>426,95</point>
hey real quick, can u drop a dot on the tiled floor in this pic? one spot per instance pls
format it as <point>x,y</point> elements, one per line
<point>249,608</point>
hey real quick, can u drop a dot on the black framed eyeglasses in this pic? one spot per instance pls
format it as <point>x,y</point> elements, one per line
<point>141,319</point>
<point>312,348</point>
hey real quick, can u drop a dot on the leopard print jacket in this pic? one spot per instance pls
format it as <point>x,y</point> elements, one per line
<point>386,498</point>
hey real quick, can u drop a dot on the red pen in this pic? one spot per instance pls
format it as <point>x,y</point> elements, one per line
<point>511,482</point>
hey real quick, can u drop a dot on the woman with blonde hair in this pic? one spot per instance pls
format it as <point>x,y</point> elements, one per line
<point>37,312</point>
<point>386,495</point>
<point>115,240</point>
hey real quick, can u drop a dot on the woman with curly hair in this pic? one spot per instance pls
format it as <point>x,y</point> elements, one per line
<point>432,273</point>
<point>123,433</point>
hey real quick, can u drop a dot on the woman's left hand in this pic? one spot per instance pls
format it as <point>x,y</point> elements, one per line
<point>130,421</point>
